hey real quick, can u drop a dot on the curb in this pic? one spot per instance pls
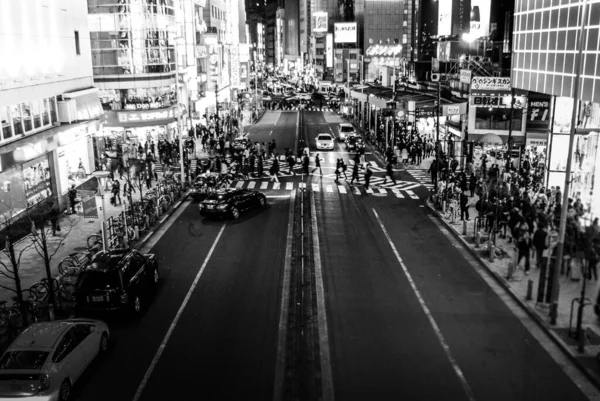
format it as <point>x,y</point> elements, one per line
<point>530,311</point>
<point>142,242</point>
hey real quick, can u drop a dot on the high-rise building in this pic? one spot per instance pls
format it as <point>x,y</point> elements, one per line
<point>49,107</point>
<point>134,46</point>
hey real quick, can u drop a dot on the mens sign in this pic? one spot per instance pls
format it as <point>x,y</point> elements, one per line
<point>345,32</point>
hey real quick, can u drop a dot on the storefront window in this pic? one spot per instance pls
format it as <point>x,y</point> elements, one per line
<point>27,117</point>
<point>73,166</point>
<point>6,122</point>
<point>53,113</point>
<point>36,180</point>
<point>12,195</point>
<point>36,114</point>
<point>497,119</point>
<point>45,112</point>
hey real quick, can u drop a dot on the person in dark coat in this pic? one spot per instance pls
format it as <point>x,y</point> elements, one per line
<point>368,174</point>
<point>464,206</point>
<point>73,198</point>
<point>389,172</point>
<point>355,176</point>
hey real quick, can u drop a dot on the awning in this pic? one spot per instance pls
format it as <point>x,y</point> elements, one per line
<point>87,103</point>
<point>142,118</point>
<point>490,139</point>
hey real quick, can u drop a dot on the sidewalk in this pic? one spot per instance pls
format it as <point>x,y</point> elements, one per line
<point>518,286</point>
<point>75,229</point>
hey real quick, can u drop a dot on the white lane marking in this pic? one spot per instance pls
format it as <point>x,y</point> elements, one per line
<point>398,193</point>
<point>326,373</point>
<point>315,187</point>
<point>457,370</point>
<point>356,191</point>
<point>271,132</point>
<point>276,185</point>
<point>329,188</point>
<point>289,186</point>
<point>285,303</point>
<point>277,196</point>
<point>239,184</point>
<point>369,190</point>
<point>562,360</point>
<point>411,186</point>
<point>382,191</point>
<point>411,194</point>
<point>251,184</point>
<point>302,185</point>
<point>264,185</point>
<point>342,189</point>
<point>165,340</point>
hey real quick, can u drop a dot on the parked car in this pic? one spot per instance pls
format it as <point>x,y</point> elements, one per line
<point>117,280</point>
<point>47,358</point>
<point>345,130</point>
<point>230,202</point>
<point>324,141</point>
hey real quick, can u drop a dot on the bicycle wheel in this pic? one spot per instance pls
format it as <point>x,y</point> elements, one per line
<point>39,291</point>
<point>66,292</point>
<point>93,240</point>
<point>66,266</point>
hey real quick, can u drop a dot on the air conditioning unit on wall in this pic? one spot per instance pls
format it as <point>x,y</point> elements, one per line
<point>67,111</point>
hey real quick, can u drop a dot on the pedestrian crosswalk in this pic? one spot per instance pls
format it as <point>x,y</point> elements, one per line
<point>342,188</point>
<point>422,176</point>
<point>326,163</point>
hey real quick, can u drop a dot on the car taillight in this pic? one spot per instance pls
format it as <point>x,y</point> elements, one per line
<point>44,383</point>
<point>124,298</point>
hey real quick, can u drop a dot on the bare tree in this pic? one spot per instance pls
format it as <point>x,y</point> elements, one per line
<point>44,223</point>
<point>10,270</point>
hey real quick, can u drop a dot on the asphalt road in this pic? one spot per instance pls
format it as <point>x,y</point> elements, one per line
<point>382,343</point>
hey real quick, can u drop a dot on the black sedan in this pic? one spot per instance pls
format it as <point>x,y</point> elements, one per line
<point>229,202</point>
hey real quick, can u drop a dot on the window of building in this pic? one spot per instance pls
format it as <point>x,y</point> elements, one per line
<point>15,112</point>
<point>53,110</point>
<point>6,122</point>
<point>77,48</point>
<point>27,116</point>
<point>496,119</point>
<point>36,114</point>
<point>45,112</point>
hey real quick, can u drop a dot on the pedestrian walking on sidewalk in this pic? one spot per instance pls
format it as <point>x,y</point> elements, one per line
<point>317,165</point>
<point>260,170</point>
<point>368,174</point>
<point>389,172</point>
<point>523,245</point>
<point>73,198</point>
<point>464,206</point>
<point>116,193</point>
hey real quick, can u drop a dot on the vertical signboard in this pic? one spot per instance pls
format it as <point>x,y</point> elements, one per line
<point>444,18</point>
<point>235,66</point>
<point>480,18</point>
<point>345,32</point>
<point>329,50</point>
<point>320,22</point>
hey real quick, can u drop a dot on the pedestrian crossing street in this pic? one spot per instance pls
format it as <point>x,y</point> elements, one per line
<point>330,188</point>
<point>326,162</point>
<point>422,176</point>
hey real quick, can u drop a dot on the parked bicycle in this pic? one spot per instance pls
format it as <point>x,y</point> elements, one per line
<point>70,265</point>
<point>63,290</point>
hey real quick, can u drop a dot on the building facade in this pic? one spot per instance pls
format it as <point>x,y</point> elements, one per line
<point>49,107</point>
<point>545,52</point>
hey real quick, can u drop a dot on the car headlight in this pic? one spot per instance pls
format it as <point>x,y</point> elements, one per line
<point>44,383</point>
<point>202,206</point>
<point>222,207</point>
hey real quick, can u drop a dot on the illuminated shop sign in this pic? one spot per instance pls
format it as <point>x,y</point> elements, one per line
<point>320,22</point>
<point>491,83</point>
<point>444,18</point>
<point>480,18</point>
<point>146,116</point>
<point>497,101</point>
<point>345,32</point>
<point>30,151</point>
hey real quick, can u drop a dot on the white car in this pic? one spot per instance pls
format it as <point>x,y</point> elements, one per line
<point>303,96</point>
<point>345,130</point>
<point>325,141</point>
<point>46,359</point>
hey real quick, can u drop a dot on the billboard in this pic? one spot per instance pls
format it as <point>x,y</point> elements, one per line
<point>444,18</point>
<point>320,22</point>
<point>345,32</point>
<point>329,50</point>
<point>480,18</point>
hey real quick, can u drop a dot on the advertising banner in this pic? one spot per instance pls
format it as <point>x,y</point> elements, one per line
<point>490,84</point>
<point>320,24</point>
<point>465,76</point>
<point>329,50</point>
<point>88,202</point>
<point>538,111</point>
<point>480,18</point>
<point>444,18</point>
<point>36,181</point>
<point>345,32</point>
<point>235,66</point>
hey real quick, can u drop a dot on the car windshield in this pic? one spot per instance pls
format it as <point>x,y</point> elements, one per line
<point>23,360</point>
<point>95,280</point>
<point>324,138</point>
<point>347,129</point>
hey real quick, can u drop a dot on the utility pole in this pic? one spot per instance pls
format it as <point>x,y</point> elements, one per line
<point>565,201</point>
<point>437,139</point>
<point>217,106</point>
<point>510,125</point>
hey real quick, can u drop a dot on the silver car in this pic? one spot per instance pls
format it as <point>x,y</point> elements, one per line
<point>46,359</point>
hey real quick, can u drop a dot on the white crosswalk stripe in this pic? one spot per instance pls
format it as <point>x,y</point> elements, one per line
<point>341,189</point>
<point>422,176</point>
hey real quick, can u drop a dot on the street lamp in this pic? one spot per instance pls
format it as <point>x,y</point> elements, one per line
<point>179,128</point>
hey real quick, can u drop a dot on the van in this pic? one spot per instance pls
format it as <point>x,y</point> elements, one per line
<point>345,130</point>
